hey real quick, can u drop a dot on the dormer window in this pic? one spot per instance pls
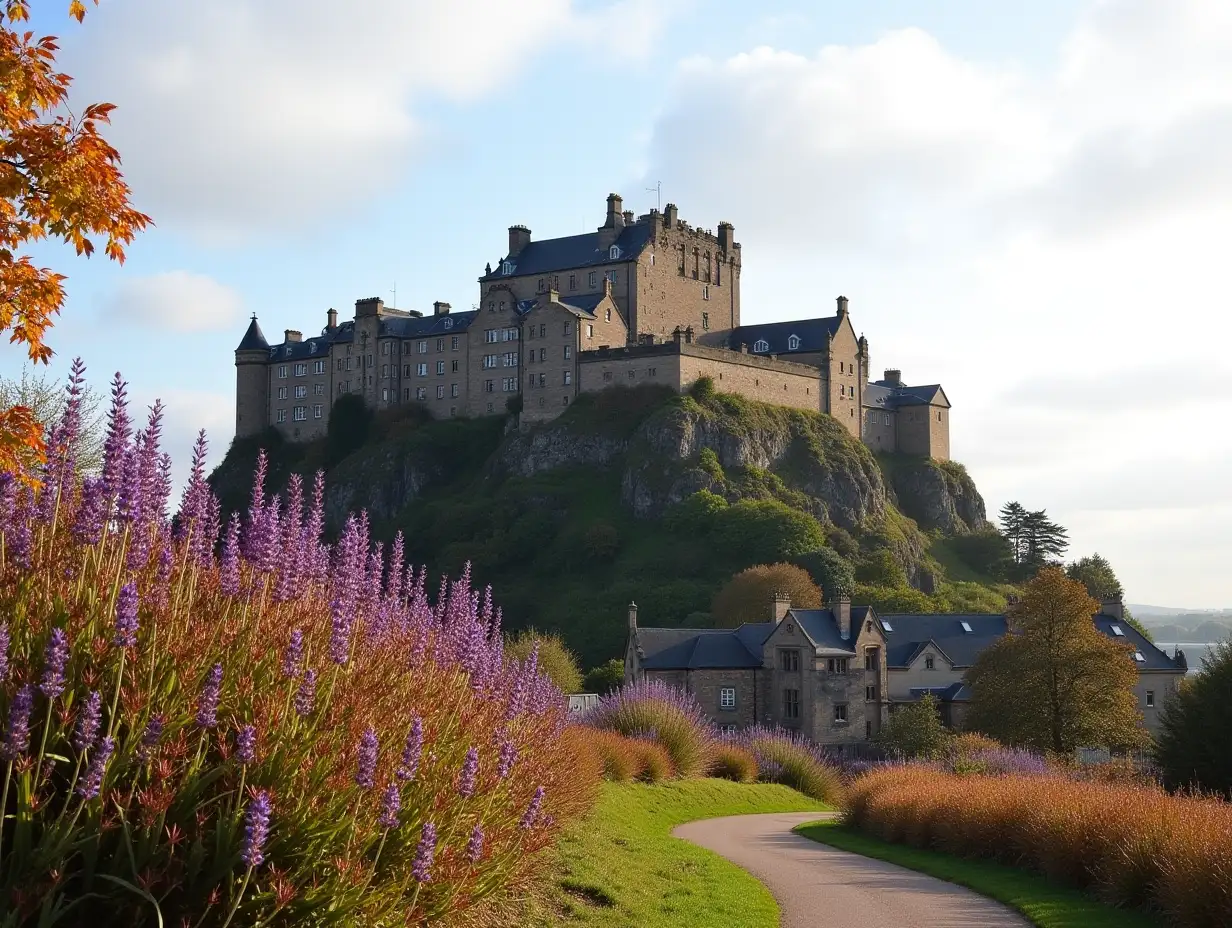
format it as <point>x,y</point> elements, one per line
<point>448,323</point>
<point>761,345</point>
<point>613,253</point>
<point>506,268</point>
<point>793,343</point>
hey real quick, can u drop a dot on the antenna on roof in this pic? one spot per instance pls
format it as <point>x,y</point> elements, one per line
<point>395,294</point>
<point>657,189</point>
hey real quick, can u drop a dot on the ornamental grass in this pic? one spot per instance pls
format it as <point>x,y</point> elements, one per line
<point>669,716</point>
<point>732,762</point>
<point>1132,845</point>
<point>788,758</point>
<point>237,725</point>
<point>619,757</point>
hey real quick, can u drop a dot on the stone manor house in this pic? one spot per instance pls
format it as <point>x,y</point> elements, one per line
<point>646,300</point>
<point>834,674</point>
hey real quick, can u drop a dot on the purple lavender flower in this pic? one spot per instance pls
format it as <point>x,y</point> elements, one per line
<point>365,769</point>
<point>532,810</point>
<point>340,635</point>
<point>91,513</point>
<point>246,744</point>
<point>17,735</point>
<point>293,655</point>
<point>474,847</point>
<point>119,429</point>
<point>207,705</point>
<point>256,830</point>
<point>55,657</point>
<point>421,867</point>
<point>229,569</point>
<point>305,696</point>
<point>4,651</point>
<point>410,754</point>
<point>149,739</point>
<point>126,616</point>
<point>391,802</point>
<point>92,782</point>
<point>508,754</point>
<point>470,769</point>
<point>88,721</point>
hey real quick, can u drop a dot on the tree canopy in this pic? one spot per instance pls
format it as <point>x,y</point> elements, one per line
<point>1035,540</point>
<point>47,398</point>
<point>1097,575</point>
<point>746,596</point>
<point>1055,682</point>
<point>829,569</point>
<point>59,179</point>
<point>554,657</point>
<point>1190,750</point>
<point>915,730</point>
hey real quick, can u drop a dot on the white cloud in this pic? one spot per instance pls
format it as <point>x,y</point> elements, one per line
<point>185,413</point>
<point>243,116</point>
<point>175,301</point>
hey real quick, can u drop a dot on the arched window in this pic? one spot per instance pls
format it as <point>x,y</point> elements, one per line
<point>614,253</point>
<point>793,343</point>
<point>506,267</point>
<point>761,345</point>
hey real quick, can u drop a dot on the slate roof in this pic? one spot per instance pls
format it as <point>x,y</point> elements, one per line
<point>427,326</point>
<point>821,626</point>
<point>909,635</point>
<point>814,335</point>
<point>254,339</point>
<point>955,692</point>
<point>1153,657</point>
<point>581,305</point>
<point>573,251</point>
<point>698,649</point>
<point>316,347</point>
<point>879,395</point>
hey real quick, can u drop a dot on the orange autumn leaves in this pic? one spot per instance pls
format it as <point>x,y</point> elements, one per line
<point>59,179</point>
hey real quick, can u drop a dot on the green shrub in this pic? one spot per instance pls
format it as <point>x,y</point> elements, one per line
<point>766,531</point>
<point>914,731</point>
<point>606,677</point>
<point>554,657</point>
<point>350,421</point>
<point>829,570</point>
<point>697,514</point>
<point>601,541</point>
<point>702,389</point>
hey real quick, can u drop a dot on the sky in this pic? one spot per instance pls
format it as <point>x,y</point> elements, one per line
<point>1028,203</point>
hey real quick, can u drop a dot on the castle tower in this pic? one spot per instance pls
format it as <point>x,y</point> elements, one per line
<point>251,382</point>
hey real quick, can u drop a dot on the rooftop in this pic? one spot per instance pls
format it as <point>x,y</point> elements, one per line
<point>573,251</point>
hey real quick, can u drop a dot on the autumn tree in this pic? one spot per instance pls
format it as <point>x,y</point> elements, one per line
<point>554,657</point>
<point>1097,575</point>
<point>59,179</point>
<point>46,399</point>
<point>746,597</point>
<point>1055,682</point>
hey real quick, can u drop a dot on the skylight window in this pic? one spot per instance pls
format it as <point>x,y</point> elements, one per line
<point>761,345</point>
<point>886,625</point>
<point>1139,658</point>
<point>966,627</point>
<point>793,343</point>
<point>1116,630</point>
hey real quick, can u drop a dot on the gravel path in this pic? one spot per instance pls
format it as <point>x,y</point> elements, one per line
<point>817,886</point>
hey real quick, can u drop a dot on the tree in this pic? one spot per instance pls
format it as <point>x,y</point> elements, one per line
<point>828,569</point>
<point>46,399</point>
<point>608,676</point>
<point>1189,749</point>
<point>746,597</point>
<point>1055,682</point>
<point>58,179</point>
<point>915,730</point>
<point>987,552</point>
<point>1097,575</point>
<point>767,530</point>
<point>1035,540</point>
<point>1013,515</point>
<point>350,422</point>
<point>554,658</point>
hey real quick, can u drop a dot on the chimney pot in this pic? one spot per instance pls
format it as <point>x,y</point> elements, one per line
<point>894,378</point>
<point>780,603</point>
<point>842,306</point>
<point>440,309</point>
<point>632,617</point>
<point>331,318</point>
<point>291,335</point>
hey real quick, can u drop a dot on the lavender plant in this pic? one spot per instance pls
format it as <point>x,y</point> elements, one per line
<point>664,714</point>
<point>284,732</point>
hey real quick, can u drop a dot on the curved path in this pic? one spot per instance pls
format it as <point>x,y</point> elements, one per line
<point>817,886</point>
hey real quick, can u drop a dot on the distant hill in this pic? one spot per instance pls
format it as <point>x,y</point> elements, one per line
<point>1147,612</point>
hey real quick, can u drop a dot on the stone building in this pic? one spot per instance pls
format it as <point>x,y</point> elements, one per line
<point>640,300</point>
<point>835,673</point>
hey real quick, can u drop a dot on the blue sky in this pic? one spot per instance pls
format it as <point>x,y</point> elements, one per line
<point>1016,206</point>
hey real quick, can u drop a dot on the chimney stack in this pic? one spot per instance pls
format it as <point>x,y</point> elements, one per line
<point>842,306</point>
<point>331,318</point>
<point>290,335</point>
<point>519,238</point>
<point>780,603</point>
<point>841,607</point>
<point>893,378</point>
<point>670,215</point>
<point>440,309</point>
<point>727,236</point>
<point>632,618</point>
<point>1113,607</point>
<point>628,214</point>
<point>615,218</point>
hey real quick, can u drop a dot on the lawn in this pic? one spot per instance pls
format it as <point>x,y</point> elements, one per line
<point>1044,903</point>
<point>620,866</point>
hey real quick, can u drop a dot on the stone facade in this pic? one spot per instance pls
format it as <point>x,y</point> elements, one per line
<point>665,293</point>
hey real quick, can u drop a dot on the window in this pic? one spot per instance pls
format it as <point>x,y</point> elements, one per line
<point>506,268</point>
<point>491,306</point>
<point>491,335</point>
<point>652,372</point>
<point>510,385</point>
<point>590,330</point>
<point>453,341</point>
<point>301,369</point>
<point>543,380</point>
<point>886,626</point>
<point>840,713</point>
<point>406,393</point>
<point>489,386</point>
<point>1116,630</point>
<point>282,393</point>
<point>611,275</point>
<point>301,390</point>
<point>421,370</point>
<point>489,360</point>
<point>840,363</point>
<point>632,373</point>
<point>568,352</point>
<point>453,367</point>
<point>930,663</point>
<point>1139,658</point>
<point>423,347</point>
<point>406,370</point>
<point>510,359</point>
<point>870,693</point>
<point>761,345</point>
<point>348,364</point>
<point>555,286</point>
<point>837,665</point>
<point>870,658</point>
<point>453,389</point>
<point>541,286</point>
<point>607,315</point>
<point>510,334</point>
<point>530,330</point>
<point>543,330</point>
<point>564,400</point>
<point>384,370</point>
<point>384,347</point>
<point>607,375</point>
<point>440,344</point>
<point>318,367</point>
<point>421,393</point>
<point>791,704</point>
<point>318,389</point>
<point>706,293</point>
<point>440,392</point>
<point>592,280</point>
<point>300,413</point>
<point>340,364</point>
<point>449,323</point>
<point>1150,699</point>
<point>568,378</point>
<point>793,343</point>
<point>385,396</point>
<point>938,415</point>
<point>727,698</point>
<point>613,253</point>
<point>489,407</point>
<point>868,731</point>
<point>568,328</point>
<point>706,322</point>
<point>573,281</point>
<point>789,660</point>
<point>282,415</point>
<point>282,372</point>
<point>966,626</point>
<point>440,367</point>
<point>718,270</point>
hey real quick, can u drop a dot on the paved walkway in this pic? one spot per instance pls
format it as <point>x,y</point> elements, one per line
<point>817,886</point>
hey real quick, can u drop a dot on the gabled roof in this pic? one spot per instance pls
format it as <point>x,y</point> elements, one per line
<point>955,692</point>
<point>697,649</point>
<point>814,335</point>
<point>1153,658</point>
<point>881,395</point>
<point>574,251</point>
<point>426,326</point>
<point>821,626</point>
<point>912,633</point>
<point>924,646</point>
<point>583,305</point>
<point>317,347</point>
<point>254,338</point>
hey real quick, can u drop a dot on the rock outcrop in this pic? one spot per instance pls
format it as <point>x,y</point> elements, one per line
<point>938,495</point>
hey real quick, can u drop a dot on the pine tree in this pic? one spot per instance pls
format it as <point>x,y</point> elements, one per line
<point>1043,540</point>
<point>1013,515</point>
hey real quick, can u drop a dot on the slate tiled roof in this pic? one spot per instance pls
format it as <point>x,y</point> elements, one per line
<point>814,335</point>
<point>427,326</point>
<point>254,339</point>
<point>1152,657</point>
<point>317,347</point>
<point>955,692</point>
<point>879,395</point>
<point>821,626</point>
<point>910,633</point>
<point>697,649</point>
<point>574,251</point>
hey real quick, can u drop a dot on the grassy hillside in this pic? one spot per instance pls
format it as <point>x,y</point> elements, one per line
<point>549,518</point>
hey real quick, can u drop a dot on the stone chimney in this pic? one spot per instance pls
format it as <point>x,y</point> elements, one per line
<point>842,306</point>
<point>615,217</point>
<point>840,605</point>
<point>670,215</point>
<point>553,296</point>
<point>440,309</point>
<point>780,603</point>
<point>371,306</point>
<point>632,618</point>
<point>519,238</point>
<point>290,335</point>
<point>727,236</point>
<point>893,378</point>
<point>1113,607</point>
<point>628,214</point>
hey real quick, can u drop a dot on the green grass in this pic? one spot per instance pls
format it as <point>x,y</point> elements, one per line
<point>620,866</point>
<point>1044,903</point>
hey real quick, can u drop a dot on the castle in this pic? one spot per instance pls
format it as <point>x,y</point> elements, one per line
<point>646,300</point>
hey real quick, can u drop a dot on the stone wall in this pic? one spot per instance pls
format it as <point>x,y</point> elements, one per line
<point>924,430</point>
<point>668,294</point>
<point>252,407</point>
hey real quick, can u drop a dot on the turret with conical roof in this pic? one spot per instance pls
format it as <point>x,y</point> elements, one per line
<point>252,381</point>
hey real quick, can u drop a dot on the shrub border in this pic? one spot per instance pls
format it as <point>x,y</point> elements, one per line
<point>1044,903</point>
